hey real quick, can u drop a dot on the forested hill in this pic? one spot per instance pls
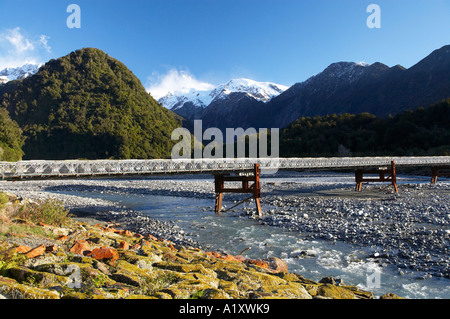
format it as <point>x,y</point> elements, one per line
<point>424,131</point>
<point>88,105</point>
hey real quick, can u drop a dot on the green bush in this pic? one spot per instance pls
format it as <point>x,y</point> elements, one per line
<point>3,199</point>
<point>49,211</point>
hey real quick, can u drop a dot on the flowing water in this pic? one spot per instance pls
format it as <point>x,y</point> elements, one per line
<point>314,259</point>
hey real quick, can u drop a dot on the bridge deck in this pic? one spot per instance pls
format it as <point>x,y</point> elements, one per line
<point>87,168</point>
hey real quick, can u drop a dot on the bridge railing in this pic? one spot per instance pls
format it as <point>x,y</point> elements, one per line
<point>69,168</point>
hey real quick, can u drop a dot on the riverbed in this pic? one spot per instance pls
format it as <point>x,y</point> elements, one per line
<point>374,239</point>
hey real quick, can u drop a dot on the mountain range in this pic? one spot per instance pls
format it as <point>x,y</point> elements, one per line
<point>343,87</point>
<point>223,105</point>
<point>90,105</point>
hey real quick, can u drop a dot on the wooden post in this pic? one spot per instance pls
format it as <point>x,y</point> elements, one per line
<point>434,175</point>
<point>257,190</point>
<point>439,171</point>
<point>358,179</point>
<point>254,189</point>
<point>394,176</point>
<point>219,186</point>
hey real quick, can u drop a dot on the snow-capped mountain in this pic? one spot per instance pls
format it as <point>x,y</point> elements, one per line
<point>10,74</point>
<point>260,91</point>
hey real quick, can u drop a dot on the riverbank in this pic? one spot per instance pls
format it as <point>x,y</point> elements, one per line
<point>409,230</point>
<point>78,260</point>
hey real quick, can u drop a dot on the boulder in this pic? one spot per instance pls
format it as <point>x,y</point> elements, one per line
<point>37,251</point>
<point>104,254</point>
<point>80,247</point>
<point>273,264</point>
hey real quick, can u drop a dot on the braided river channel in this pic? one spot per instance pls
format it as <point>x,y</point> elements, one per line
<point>316,222</point>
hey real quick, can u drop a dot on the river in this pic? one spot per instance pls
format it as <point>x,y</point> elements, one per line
<point>234,232</point>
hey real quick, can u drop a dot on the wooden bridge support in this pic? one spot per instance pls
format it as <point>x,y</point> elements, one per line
<point>382,172</point>
<point>439,171</point>
<point>254,189</point>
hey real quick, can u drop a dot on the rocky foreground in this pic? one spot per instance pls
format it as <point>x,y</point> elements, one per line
<point>79,260</point>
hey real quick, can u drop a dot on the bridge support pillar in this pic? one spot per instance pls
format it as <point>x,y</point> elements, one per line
<point>381,172</point>
<point>439,171</point>
<point>254,189</point>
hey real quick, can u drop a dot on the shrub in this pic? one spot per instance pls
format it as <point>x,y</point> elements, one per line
<point>49,211</point>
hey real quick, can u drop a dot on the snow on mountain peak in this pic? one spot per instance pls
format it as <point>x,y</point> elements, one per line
<point>261,91</point>
<point>10,74</point>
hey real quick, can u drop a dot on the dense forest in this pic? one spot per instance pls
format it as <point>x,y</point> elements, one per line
<point>424,131</point>
<point>11,138</point>
<point>88,105</point>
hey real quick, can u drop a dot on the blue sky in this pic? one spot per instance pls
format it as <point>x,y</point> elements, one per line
<point>202,42</point>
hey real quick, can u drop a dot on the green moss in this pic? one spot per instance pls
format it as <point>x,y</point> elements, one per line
<point>186,268</point>
<point>13,290</point>
<point>36,278</point>
<point>130,274</point>
<point>335,292</point>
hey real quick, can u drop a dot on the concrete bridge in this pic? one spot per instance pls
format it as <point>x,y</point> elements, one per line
<point>246,169</point>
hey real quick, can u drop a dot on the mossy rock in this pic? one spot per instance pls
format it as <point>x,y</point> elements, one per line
<point>390,296</point>
<point>162,295</point>
<point>140,297</point>
<point>335,292</point>
<point>213,293</point>
<point>131,274</point>
<point>43,260</point>
<point>88,276</point>
<point>289,290</point>
<point>186,268</point>
<point>74,295</point>
<point>151,250</point>
<point>80,259</point>
<point>4,246</point>
<point>229,287</point>
<point>191,254</point>
<point>11,289</point>
<point>312,289</point>
<point>36,278</point>
<point>361,294</point>
<point>141,262</point>
<point>264,279</point>
<point>176,293</point>
<point>89,293</point>
<point>188,288</point>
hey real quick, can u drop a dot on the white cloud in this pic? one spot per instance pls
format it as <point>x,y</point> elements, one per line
<point>174,81</point>
<point>17,48</point>
<point>18,42</point>
<point>43,40</point>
